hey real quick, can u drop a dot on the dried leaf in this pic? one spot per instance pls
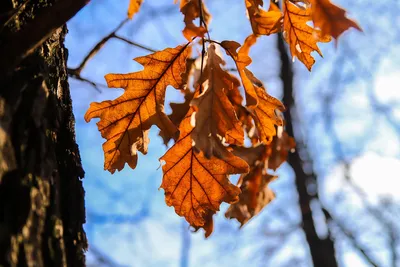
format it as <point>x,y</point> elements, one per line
<point>191,9</point>
<point>302,38</point>
<point>124,121</point>
<point>194,184</point>
<point>279,150</point>
<point>243,115</point>
<point>264,22</point>
<point>134,6</point>
<point>264,114</point>
<point>254,185</point>
<point>254,155</point>
<point>262,106</point>
<point>330,18</point>
<point>242,60</point>
<point>215,117</point>
<point>254,197</point>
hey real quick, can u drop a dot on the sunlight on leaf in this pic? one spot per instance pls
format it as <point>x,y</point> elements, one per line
<point>124,122</point>
<point>194,184</point>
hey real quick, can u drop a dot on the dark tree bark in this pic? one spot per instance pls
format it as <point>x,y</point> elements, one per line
<point>42,208</point>
<point>322,249</point>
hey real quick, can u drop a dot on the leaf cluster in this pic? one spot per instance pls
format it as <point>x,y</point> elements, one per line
<point>220,113</point>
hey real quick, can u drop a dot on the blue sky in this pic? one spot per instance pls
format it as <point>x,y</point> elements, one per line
<point>127,218</point>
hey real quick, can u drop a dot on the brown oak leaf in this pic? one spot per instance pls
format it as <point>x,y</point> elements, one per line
<point>254,197</point>
<point>215,117</point>
<point>254,155</point>
<point>279,150</point>
<point>330,18</point>
<point>192,9</point>
<point>124,122</point>
<point>264,22</point>
<point>243,114</point>
<point>301,37</point>
<point>264,114</point>
<point>242,60</point>
<point>254,185</point>
<point>194,184</point>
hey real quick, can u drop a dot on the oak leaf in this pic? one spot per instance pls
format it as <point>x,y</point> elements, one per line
<point>242,60</point>
<point>194,184</point>
<point>279,150</point>
<point>254,197</point>
<point>193,9</point>
<point>125,121</point>
<point>301,37</point>
<point>265,115</point>
<point>264,22</point>
<point>263,106</point>
<point>254,155</point>
<point>254,185</point>
<point>242,113</point>
<point>134,6</point>
<point>330,18</point>
<point>215,117</point>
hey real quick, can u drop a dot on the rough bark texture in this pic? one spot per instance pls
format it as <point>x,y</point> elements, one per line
<point>322,249</point>
<point>41,195</point>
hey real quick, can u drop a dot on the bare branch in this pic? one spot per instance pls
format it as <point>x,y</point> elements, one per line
<point>355,243</point>
<point>97,47</point>
<point>376,213</point>
<point>74,74</point>
<point>134,44</point>
<point>102,259</point>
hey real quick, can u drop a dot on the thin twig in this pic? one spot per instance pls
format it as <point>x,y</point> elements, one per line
<point>134,43</point>
<point>355,244</point>
<point>73,74</point>
<point>98,46</point>
<point>341,155</point>
<point>102,258</point>
<point>77,71</point>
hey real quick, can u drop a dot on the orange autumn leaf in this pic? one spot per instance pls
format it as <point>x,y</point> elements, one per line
<point>330,18</point>
<point>264,114</point>
<point>264,22</point>
<point>243,114</point>
<point>242,60</point>
<point>302,38</point>
<point>254,185</point>
<point>125,121</point>
<point>254,197</point>
<point>134,6</point>
<point>193,9</point>
<point>215,117</point>
<point>254,155</point>
<point>194,184</point>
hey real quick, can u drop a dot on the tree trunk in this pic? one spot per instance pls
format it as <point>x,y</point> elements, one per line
<point>322,249</point>
<point>41,195</point>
